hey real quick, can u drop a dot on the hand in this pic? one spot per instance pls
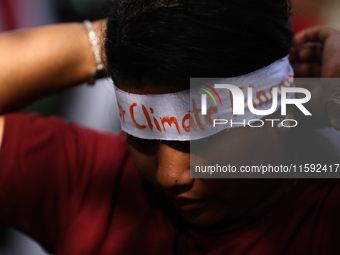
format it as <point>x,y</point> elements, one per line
<point>316,53</point>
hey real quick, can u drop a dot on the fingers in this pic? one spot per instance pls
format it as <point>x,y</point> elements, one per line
<point>313,47</point>
<point>306,59</point>
<point>306,52</point>
<point>307,69</point>
<point>314,34</point>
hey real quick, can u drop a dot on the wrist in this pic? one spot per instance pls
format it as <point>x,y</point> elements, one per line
<point>99,27</point>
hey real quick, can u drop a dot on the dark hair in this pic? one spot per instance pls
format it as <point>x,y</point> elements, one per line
<point>173,40</point>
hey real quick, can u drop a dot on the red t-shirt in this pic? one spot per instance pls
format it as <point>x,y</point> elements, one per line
<point>77,192</point>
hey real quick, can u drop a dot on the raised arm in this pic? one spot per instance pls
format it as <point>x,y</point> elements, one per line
<point>40,61</point>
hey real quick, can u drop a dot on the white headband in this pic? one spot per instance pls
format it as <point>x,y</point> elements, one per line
<point>178,116</point>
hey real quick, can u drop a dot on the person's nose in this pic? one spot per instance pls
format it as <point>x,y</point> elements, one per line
<point>173,167</point>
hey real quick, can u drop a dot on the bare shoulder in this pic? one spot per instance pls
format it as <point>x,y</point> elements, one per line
<point>2,126</point>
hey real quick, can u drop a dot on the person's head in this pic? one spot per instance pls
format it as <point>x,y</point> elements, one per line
<point>168,41</point>
<point>155,46</point>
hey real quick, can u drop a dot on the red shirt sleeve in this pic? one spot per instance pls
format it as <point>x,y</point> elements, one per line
<point>44,164</point>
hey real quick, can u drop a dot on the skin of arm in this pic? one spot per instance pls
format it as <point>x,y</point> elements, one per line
<point>37,62</point>
<point>40,61</point>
